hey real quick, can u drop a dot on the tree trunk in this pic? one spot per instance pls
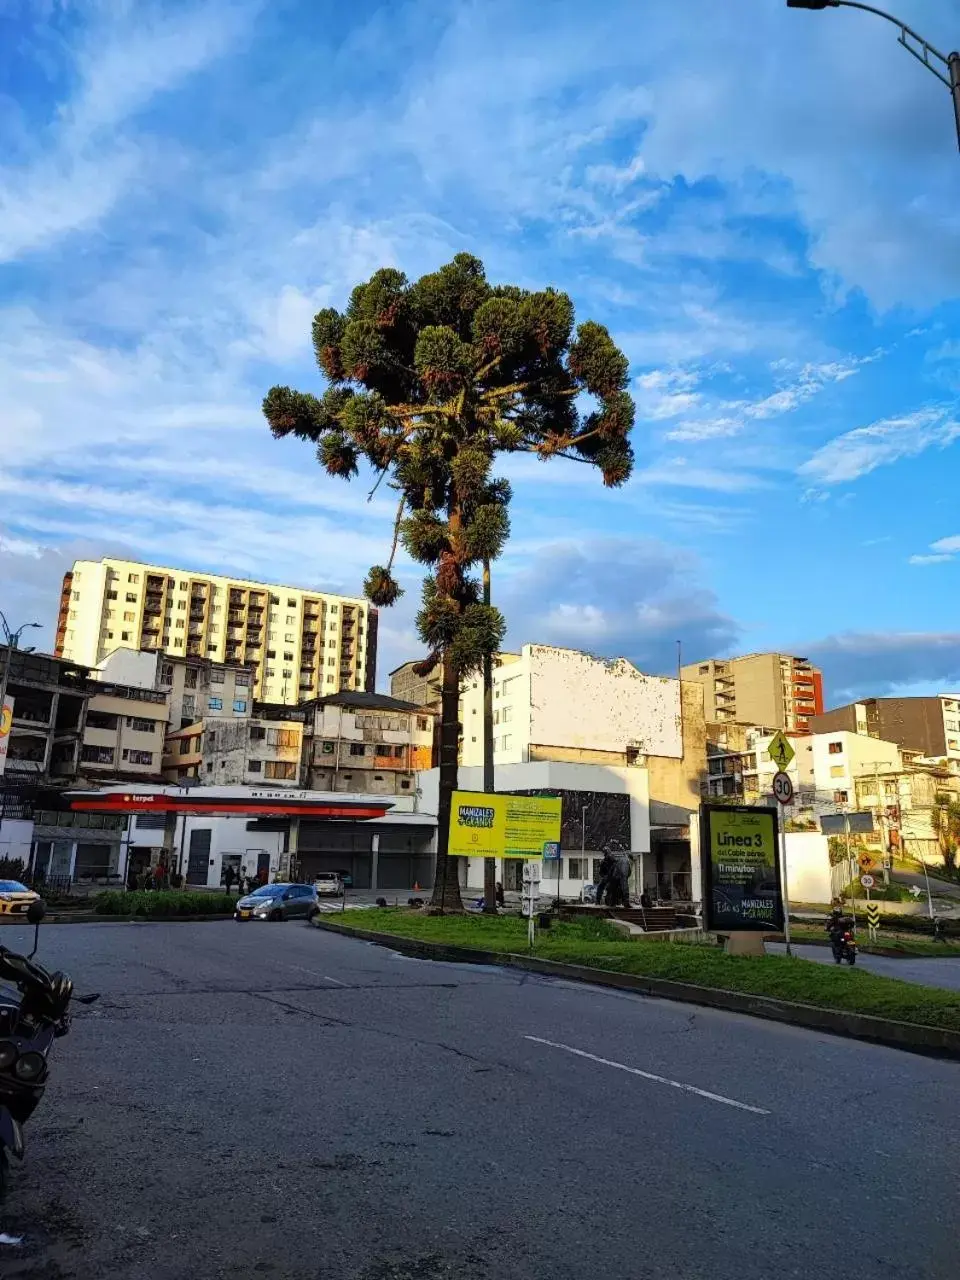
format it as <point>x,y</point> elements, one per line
<point>489,864</point>
<point>446,883</point>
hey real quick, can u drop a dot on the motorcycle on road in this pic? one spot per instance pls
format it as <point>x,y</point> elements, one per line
<point>30,1021</point>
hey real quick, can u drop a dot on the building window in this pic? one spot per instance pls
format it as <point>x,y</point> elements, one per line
<point>138,757</point>
<point>141,725</point>
<point>124,635</point>
<point>131,597</point>
<point>579,868</point>
<point>96,755</point>
<point>288,657</point>
<point>288,675</point>
<point>423,723</point>
<point>111,595</point>
<point>257,733</point>
<point>271,653</point>
<point>552,868</point>
<point>254,766</point>
<point>835,748</point>
<point>290,619</point>
<point>840,797</point>
<point>291,604</point>
<point>280,769</point>
<point>288,639</point>
<point>357,749</point>
<point>705,668</point>
<point>506,714</point>
<point>180,624</point>
<point>242,680</point>
<point>215,704</point>
<point>181,604</point>
<point>239,705</point>
<point>101,720</point>
<point>506,742</point>
<point>129,616</point>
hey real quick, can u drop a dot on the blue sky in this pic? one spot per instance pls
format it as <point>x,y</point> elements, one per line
<point>763,205</point>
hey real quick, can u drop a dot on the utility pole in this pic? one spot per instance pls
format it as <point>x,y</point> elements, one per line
<point>945,66</point>
<point>489,864</point>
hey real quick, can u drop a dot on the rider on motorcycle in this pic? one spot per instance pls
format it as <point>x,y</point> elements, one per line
<point>837,925</point>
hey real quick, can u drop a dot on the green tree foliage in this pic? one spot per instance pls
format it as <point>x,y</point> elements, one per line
<point>945,816</point>
<point>428,382</point>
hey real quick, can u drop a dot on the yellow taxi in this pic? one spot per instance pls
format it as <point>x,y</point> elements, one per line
<point>15,898</point>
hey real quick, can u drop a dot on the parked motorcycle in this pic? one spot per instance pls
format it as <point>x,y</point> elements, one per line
<point>29,1023</point>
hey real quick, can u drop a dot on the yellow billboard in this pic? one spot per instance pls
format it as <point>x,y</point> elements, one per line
<point>483,825</point>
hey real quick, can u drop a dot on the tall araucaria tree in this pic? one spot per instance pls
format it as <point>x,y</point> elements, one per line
<point>428,382</point>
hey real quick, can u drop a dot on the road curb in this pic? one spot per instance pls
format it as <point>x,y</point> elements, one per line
<point>932,1041</point>
<point>92,917</point>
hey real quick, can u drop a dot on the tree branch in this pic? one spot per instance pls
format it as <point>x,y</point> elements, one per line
<point>396,533</point>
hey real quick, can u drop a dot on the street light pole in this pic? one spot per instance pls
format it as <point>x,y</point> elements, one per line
<point>11,641</point>
<point>921,49</point>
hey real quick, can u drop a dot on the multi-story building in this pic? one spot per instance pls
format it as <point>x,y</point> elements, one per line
<point>841,757</point>
<point>366,743</point>
<point>747,774</point>
<point>263,748</point>
<point>49,697</point>
<point>930,726</point>
<point>49,727</point>
<point>776,690</point>
<point>422,691</point>
<point>123,734</point>
<point>298,644</point>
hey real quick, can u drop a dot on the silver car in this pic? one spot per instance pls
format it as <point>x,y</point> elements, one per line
<point>328,884</point>
<point>278,902</point>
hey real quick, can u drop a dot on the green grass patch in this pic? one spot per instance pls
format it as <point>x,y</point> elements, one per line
<point>594,944</point>
<point>160,904</point>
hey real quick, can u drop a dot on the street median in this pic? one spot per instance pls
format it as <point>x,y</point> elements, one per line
<point>844,1002</point>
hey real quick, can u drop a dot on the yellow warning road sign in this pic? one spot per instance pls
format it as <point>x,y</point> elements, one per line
<point>867,863</point>
<point>780,750</point>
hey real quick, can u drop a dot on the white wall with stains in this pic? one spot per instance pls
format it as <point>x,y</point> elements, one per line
<point>577,700</point>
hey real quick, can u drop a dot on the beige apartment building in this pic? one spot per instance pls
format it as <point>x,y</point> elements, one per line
<point>298,644</point>
<point>123,733</point>
<point>774,690</point>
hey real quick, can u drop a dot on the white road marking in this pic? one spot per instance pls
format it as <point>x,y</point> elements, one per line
<point>647,1075</point>
<point>313,973</point>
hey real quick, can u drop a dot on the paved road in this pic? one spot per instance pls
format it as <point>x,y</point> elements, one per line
<point>937,972</point>
<point>270,1100</point>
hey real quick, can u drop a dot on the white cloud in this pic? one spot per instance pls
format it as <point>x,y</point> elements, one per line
<point>931,559</point>
<point>82,162</point>
<point>730,417</point>
<point>858,452</point>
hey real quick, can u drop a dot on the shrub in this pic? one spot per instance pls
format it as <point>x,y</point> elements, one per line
<point>162,903</point>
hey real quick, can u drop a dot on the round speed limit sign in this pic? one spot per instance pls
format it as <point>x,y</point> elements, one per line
<point>867,881</point>
<point>783,787</point>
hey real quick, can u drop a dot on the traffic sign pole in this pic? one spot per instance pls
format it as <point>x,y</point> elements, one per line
<point>784,887</point>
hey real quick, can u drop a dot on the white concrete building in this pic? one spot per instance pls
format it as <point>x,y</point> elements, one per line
<point>839,758</point>
<point>601,802</point>
<point>547,699</point>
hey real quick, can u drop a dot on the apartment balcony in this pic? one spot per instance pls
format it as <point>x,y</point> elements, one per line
<point>194,648</point>
<point>153,608</point>
<point>195,629</point>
